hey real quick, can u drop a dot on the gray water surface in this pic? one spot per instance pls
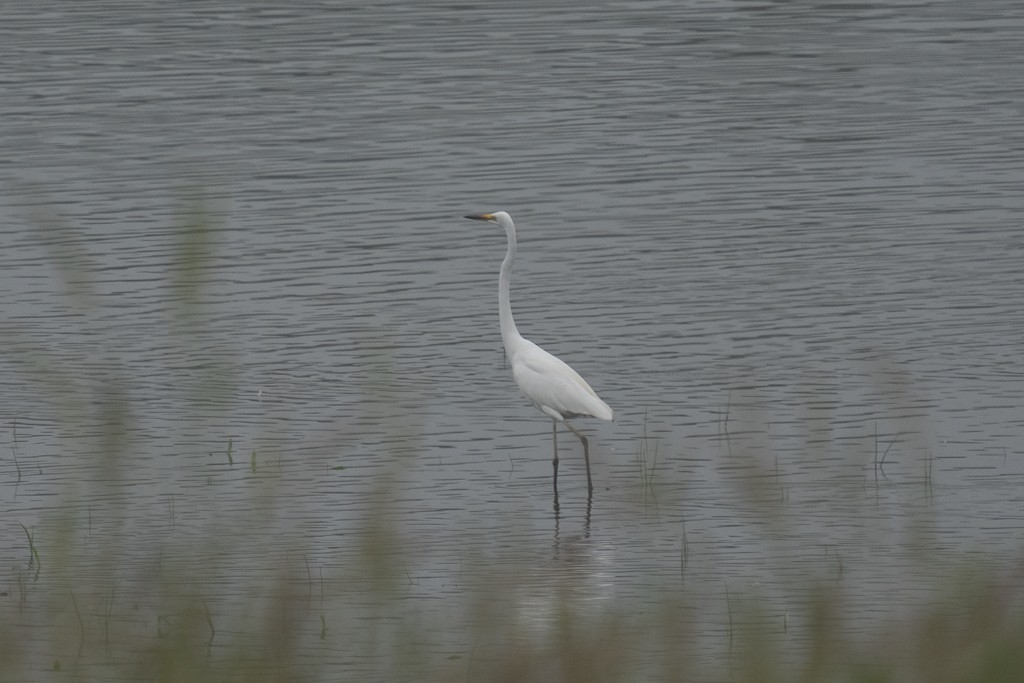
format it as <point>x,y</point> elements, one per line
<point>781,240</point>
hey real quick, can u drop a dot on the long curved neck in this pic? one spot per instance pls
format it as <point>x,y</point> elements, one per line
<point>509,332</point>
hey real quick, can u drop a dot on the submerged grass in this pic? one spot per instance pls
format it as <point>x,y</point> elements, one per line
<point>88,615</point>
<point>647,461</point>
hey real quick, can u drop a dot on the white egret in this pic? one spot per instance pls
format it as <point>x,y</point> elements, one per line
<point>550,384</point>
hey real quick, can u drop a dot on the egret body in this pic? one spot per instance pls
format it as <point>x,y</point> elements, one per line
<point>549,383</point>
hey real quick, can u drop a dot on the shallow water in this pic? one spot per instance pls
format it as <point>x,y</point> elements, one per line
<point>781,240</point>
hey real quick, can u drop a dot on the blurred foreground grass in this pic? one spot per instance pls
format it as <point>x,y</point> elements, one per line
<point>75,609</point>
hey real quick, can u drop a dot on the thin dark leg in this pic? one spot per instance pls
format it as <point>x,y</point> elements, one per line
<point>586,457</point>
<point>554,460</point>
<point>586,519</point>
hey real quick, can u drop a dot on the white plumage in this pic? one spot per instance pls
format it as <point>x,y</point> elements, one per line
<point>553,386</point>
<point>550,384</point>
